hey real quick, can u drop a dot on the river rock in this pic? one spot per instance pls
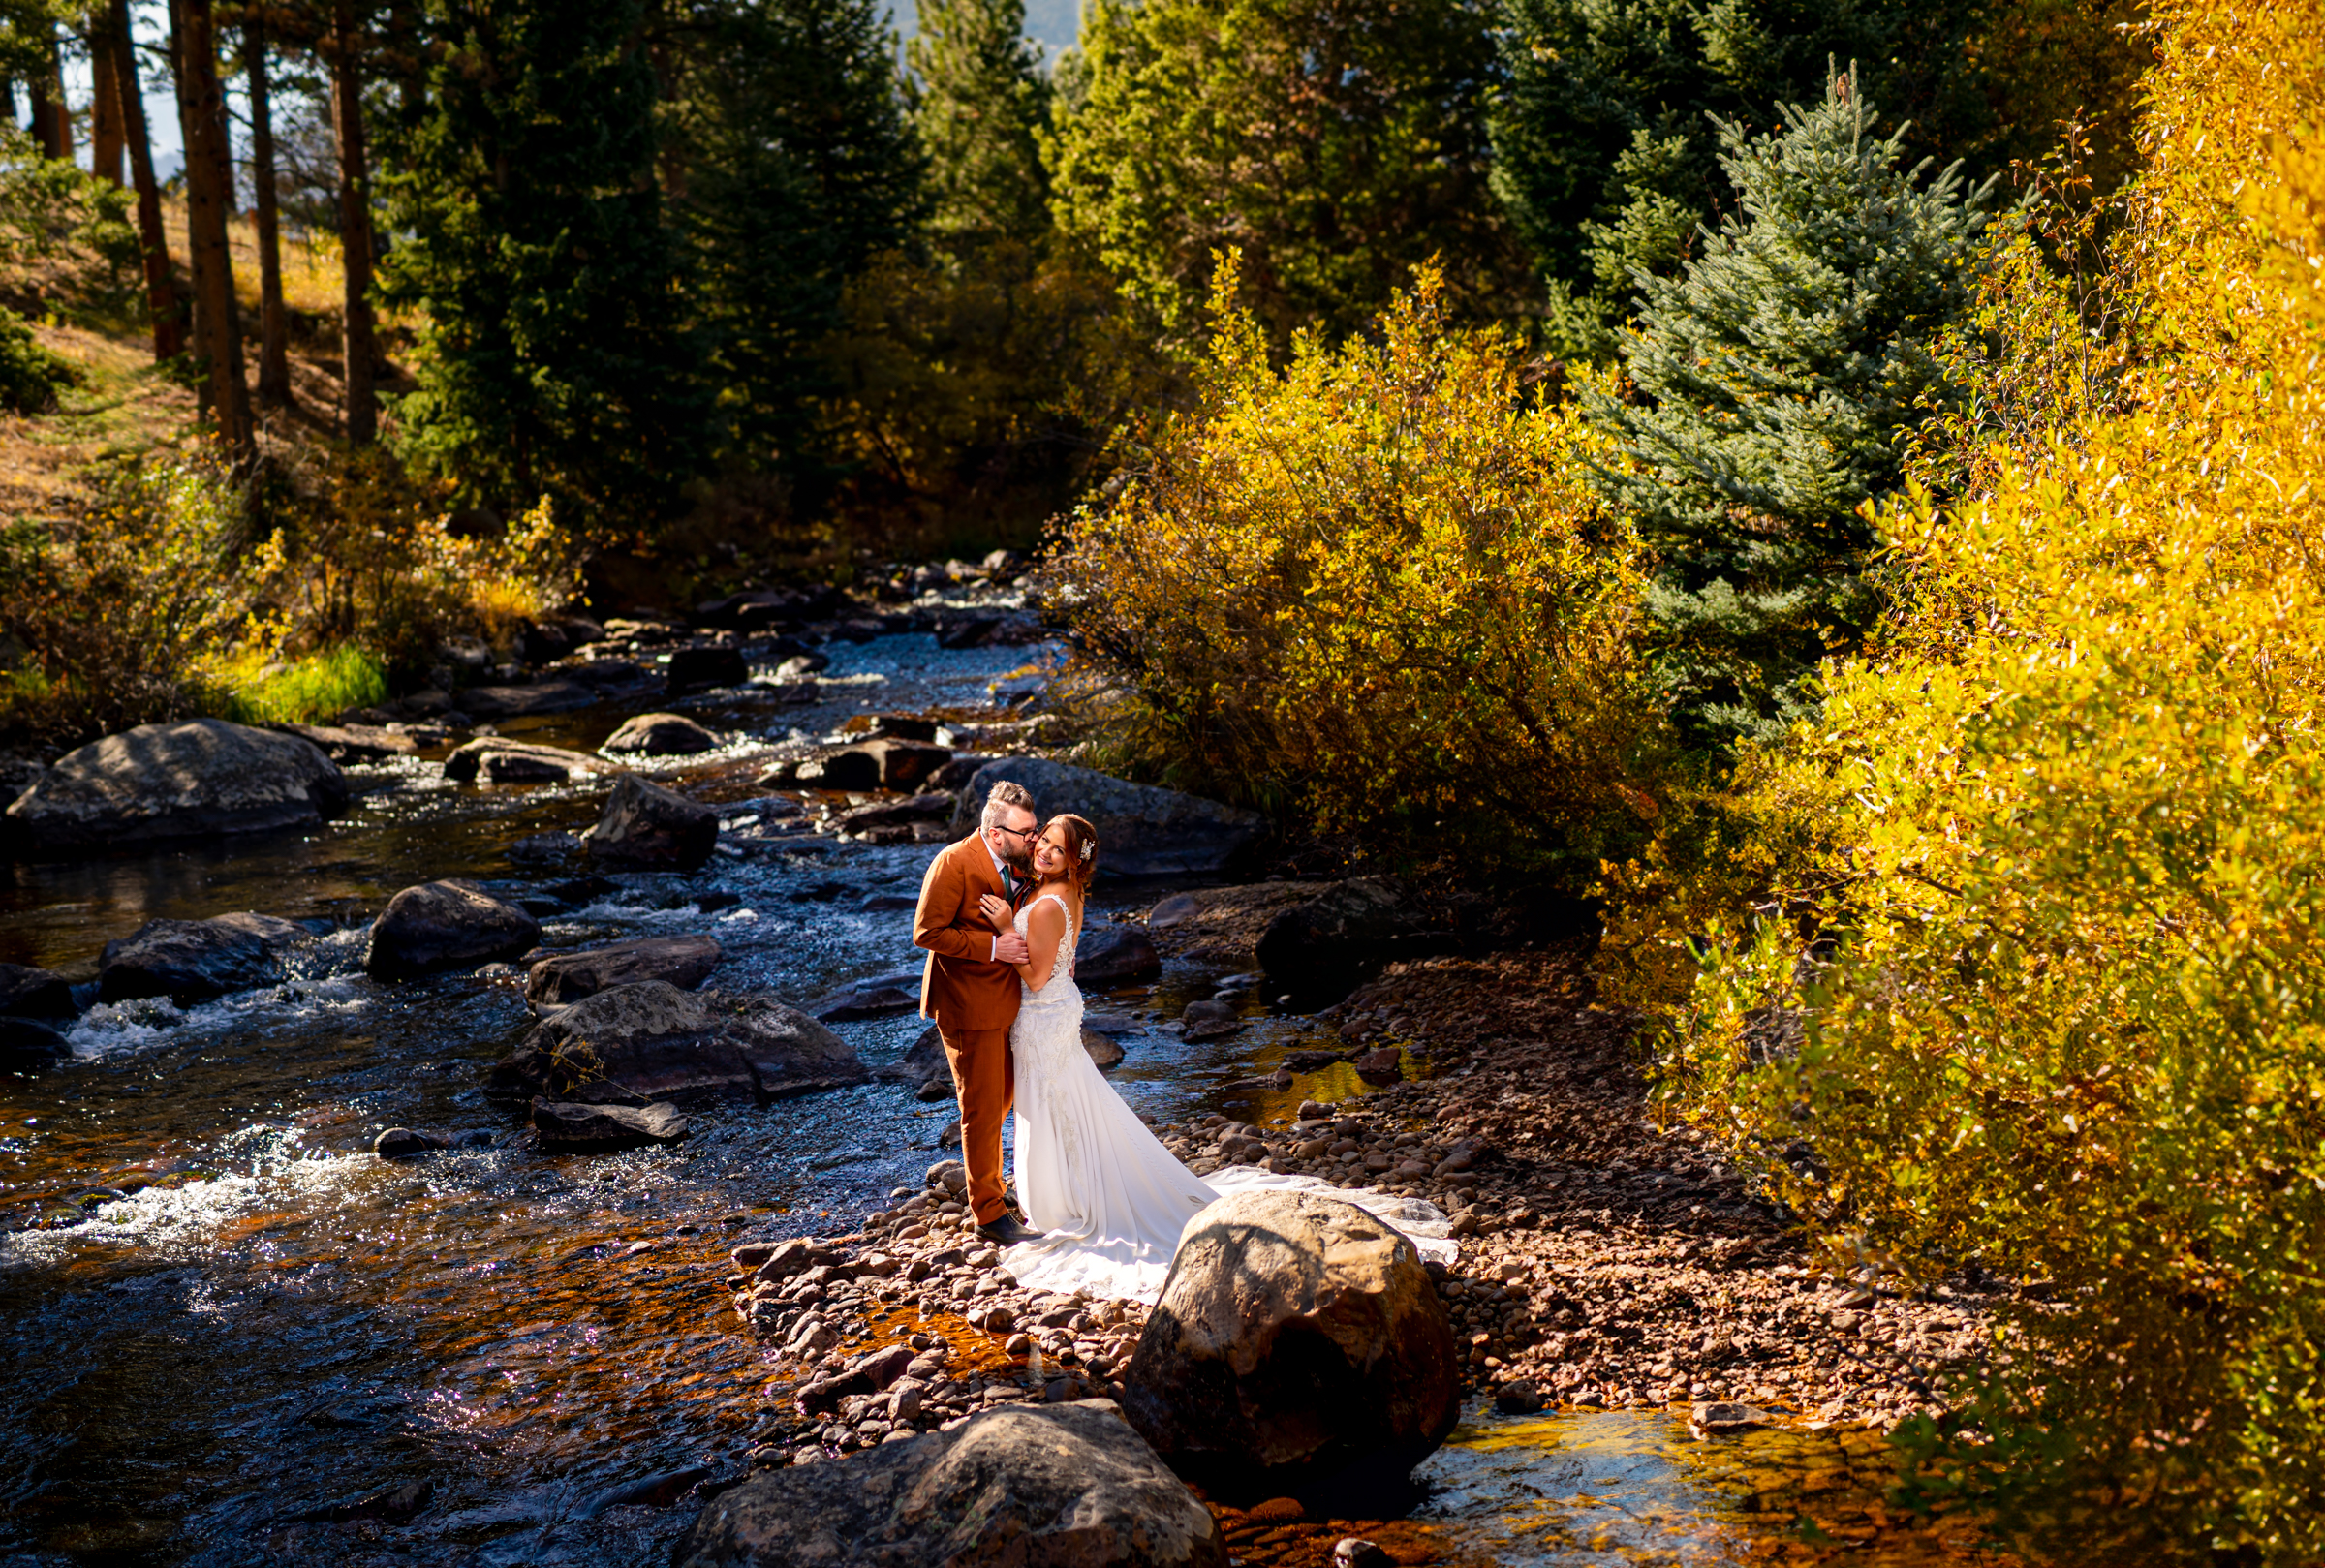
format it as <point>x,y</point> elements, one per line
<point>1326,945</point>
<point>905,763</point>
<point>1066,1486</point>
<point>408,1143</point>
<point>202,776</point>
<point>27,1045</point>
<point>584,1129</point>
<point>515,701</point>
<point>1141,831</point>
<point>851,769</point>
<point>353,743</point>
<point>191,961</point>
<point>26,992</point>
<point>887,995</point>
<point>661,734</point>
<point>656,1042</point>
<point>497,760</point>
<point>645,824</point>
<point>1298,1338</point>
<point>898,816</point>
<point>446,925</point>
<point>1111,956</point>
<point>685,962</point>
<point>701,670</point>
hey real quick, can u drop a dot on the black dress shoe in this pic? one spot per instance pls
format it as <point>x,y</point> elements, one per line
<point>1008,1231</point>
<point>1017,1210</point>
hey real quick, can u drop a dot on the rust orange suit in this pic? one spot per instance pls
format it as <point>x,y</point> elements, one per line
<point>974,1001</point>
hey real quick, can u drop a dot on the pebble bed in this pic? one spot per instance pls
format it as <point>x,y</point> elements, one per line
<point>1605,1263</point>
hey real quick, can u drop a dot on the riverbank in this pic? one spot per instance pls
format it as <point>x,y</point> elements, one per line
<point>1606,1263</point>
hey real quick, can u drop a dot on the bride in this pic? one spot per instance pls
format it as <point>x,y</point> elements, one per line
<point>1090,1174</point>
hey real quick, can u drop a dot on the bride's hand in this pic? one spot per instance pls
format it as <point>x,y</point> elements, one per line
<point>997,911</point>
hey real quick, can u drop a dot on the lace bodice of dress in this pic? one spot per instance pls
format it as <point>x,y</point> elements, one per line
<point>1061,991</point>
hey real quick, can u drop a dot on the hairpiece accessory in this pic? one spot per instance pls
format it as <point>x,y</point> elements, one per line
<point>1089,847</point>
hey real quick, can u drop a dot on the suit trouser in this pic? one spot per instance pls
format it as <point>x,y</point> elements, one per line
<point>984,1079</point>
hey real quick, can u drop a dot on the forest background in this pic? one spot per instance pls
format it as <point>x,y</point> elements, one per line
<point>1834,486</point>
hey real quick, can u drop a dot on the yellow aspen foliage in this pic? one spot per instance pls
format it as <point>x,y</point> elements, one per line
<point>1373,589</point>
<point>2044,988</point>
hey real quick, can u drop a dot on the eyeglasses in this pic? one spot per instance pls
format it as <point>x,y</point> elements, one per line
<point>1018,832</point>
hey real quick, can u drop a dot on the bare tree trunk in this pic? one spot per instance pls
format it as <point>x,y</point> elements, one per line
<point>52,120</point>
<point>361,347</point>
<point>274,333</point>
<point>161,294</point>
<point>218,335</point>
<point>105,136</point>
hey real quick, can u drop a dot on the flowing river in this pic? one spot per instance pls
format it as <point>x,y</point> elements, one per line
<point>233,1336</point>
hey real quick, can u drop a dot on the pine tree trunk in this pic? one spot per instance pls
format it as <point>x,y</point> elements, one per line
<point>274,332</point>
<point>105,136</point>
<point>161,292</point>
<point>217,333</point>
<point>360,347</point>
<point>51,121</point>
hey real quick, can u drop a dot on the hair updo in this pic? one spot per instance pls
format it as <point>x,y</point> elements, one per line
<point>1081,848</point>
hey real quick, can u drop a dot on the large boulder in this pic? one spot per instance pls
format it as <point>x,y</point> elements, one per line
<point>1141,831</point>
<point>497,760</point>
<point>446,925</point>
<point>1325,946</point>
<point>590,1129</point>
<point>653,1041</point>
<point>191,961</point>
<point>1066,1486</point>
<point>685,962</point>
<point>647,825</point>
<point>905,763</point>
<point>1111,956</point>
<point>26,992</point>
<point>200,777</point>
<point>1298,1343</point>
<point>661,734</point>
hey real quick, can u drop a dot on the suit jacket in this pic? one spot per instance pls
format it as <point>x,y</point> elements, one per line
<point>962,988</point>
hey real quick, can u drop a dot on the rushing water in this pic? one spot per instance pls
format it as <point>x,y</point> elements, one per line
<point>233,1336</point>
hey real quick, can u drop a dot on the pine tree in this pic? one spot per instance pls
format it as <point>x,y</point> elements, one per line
<point>981,104</point>
<point>1605,152</point>
<point>1780,373</point>
<point>799,167</point>
<point>1335,145</point>
<point>532,247</point>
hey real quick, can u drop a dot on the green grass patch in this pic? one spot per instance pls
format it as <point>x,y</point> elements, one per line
<point>317,687</point>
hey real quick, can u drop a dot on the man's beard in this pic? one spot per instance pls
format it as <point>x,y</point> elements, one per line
<point>1018,858</point>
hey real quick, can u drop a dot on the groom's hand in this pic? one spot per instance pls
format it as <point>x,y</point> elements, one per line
<point>1011,948</point>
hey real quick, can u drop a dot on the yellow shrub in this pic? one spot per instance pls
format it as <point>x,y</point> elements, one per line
<point>2051,994</point>
<point>1373,589</point>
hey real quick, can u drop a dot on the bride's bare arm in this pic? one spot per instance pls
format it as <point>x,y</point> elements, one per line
<point>1044,933</point>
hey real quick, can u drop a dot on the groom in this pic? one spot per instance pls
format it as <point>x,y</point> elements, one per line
<point>972,992</point>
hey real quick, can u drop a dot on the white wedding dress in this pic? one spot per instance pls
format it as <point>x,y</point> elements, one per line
<point>1109,1198</point>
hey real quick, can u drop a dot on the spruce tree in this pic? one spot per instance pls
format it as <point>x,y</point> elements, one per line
<point>532,249</point>
<point>1778,376</point>
<point>1605,157</point>
<point>980,103</point>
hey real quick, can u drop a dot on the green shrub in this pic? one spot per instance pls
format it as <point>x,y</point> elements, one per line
<point>31,378</point>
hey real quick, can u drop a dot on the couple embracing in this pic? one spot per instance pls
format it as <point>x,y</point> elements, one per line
<point>1102,1202</point>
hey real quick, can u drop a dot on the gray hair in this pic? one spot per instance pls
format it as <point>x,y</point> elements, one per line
<point>1005,794</point>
